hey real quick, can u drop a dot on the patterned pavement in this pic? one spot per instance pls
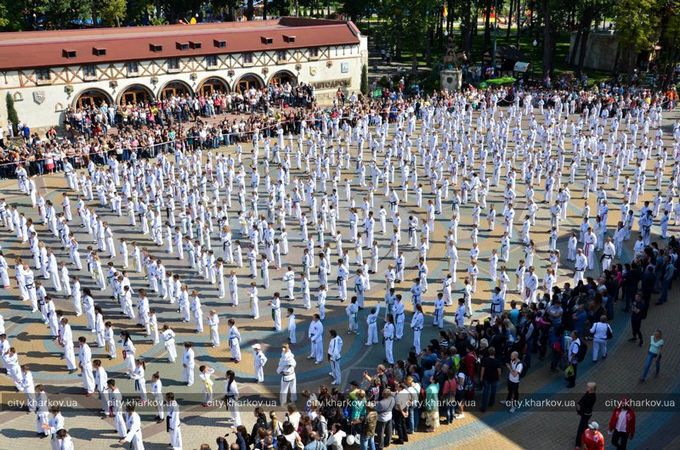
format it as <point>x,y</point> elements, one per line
<point>615,376</point>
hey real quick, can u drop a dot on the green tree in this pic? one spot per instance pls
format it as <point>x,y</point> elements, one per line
<point>356,9</point>
<point>4,15</point>
<point>12,115</point>
<point>364,79</point>
<point>63,13</point>
<point>113,12</point>
<point>637,25</point>
<point>227,8</point>
<point>282,7</point>
<point>11,15</point>
<point>669,39</point>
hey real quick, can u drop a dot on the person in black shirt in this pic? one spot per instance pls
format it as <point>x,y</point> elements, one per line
<point>490,374</point>
<point>584,408</point>
<point>637,314</point>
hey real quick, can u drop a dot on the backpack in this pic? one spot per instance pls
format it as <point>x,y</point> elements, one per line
<point>525,368</point>
<point>582,351</point>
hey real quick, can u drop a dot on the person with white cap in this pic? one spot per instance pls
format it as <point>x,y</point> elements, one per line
<point>592,437</point>
<point>259,361</point>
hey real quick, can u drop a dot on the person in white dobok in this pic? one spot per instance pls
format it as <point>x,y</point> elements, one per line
<point>388,337</point>
<point>417,323</point>
<point>115,410</point>
<point>275,304</point>
<point>315,335</point>
<point>173,424</point>
<point>259,361</point>
<point>85,364</point>
<point>286,369</point>
<point>608,254</point>
<point>334,355</point>
<point>134,428</point>
<point>231,394</point>
<point>590,240</point>
<point>580,266</point>
<point>234,341</point>
<point>67,343</point>
<point>188,364</point>
<point>169,342</point>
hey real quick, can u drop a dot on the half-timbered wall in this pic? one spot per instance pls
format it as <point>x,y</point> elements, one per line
<point>43,95</point>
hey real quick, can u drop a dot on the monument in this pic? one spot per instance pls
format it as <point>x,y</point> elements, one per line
<point>451,77</point>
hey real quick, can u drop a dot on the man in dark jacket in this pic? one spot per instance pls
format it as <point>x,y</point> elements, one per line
<point>647,285</point>
<point>584,408</point>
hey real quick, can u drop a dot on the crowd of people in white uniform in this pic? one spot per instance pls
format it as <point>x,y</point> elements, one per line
<point>362,194</point>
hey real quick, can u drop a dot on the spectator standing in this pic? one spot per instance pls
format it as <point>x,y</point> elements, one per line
<point>383,429</point>
<point>584,408</point>
<point>653,354</point>
<point>622,425</point>
<point>592,438</point>
<point>573,359</point>
<point>601,332</point>
<point>490,375</point>
<point>515,369</point>
<point>636,317</point>
<point>432,406</point>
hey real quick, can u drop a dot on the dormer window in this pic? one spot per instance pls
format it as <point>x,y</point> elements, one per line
<point>288,38</point>
<point>98,51</point>
<point>182,46</point>
<point>266,40</point>
<point>194,45</point>
<point>155,47</point>
<point>68,53</point>
<point>220,44</point>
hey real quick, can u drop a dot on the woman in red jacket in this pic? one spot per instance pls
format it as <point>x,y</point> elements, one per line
<point>622,425</point>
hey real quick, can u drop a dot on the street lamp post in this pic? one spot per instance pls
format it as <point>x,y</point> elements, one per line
<point>533,58</point>
<point>495,33</point>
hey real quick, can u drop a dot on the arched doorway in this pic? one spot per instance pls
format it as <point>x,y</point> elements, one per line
<point>134,94</point>
<point>282,77</point>
<point>93,98</point>
<point>175,89</point>
<point>212,85</point>
<point>248,81</point>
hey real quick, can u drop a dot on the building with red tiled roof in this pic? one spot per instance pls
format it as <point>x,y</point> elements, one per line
<point>46,72</point>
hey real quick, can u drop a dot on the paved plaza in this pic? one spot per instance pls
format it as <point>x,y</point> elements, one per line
<point>549,427</point>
